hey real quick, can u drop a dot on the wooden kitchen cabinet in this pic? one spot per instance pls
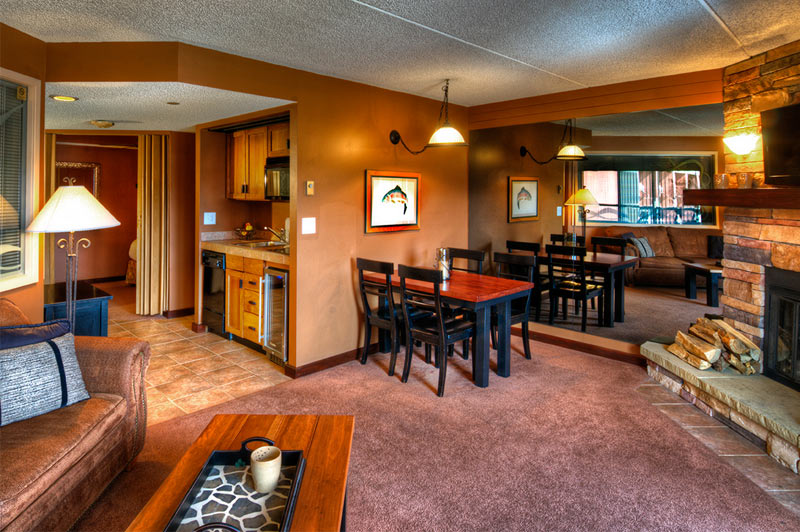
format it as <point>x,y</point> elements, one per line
<point>234,295</point>
<point>278,140</point>
<point>256,162</point>
<point>237,158</point>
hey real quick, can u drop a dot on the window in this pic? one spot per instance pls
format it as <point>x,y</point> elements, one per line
<point>647,189</point>
<point>19,147</point>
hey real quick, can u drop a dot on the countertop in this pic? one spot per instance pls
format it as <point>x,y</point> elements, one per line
<point>229,248</point>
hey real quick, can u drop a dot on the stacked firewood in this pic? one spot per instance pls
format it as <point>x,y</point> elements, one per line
<point>713,343</point>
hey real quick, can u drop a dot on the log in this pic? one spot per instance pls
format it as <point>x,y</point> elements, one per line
<point>683,354</point>
<point>697,347</point>
<point>741,367</point>
<point>731,343</point>
<point>709,335</point>
<point>755,351</point>
<point>721,364</point>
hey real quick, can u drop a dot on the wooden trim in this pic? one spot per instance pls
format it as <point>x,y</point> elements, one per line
<point>179,313</point>
<point>768,198</point>
<point>592,349</point>
<point>325,363</point>
<point>694,88</point>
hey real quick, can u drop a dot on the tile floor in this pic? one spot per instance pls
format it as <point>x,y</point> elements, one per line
<point>188,371</point>
<point>751,460</point>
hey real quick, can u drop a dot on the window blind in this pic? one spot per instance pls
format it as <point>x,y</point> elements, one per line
<point>13,133</point>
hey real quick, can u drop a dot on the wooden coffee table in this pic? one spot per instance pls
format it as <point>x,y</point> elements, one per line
<point>324,440</point>
<point>712,274</point>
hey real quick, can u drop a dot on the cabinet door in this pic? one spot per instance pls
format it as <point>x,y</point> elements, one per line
<point>279,140</point>
<point>234,291</point>
<point>237,165</point>
<point>256,162</point>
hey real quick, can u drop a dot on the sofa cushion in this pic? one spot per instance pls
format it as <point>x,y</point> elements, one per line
<point>687,242</point>
<point>10,314</point>
<point>662,263</point>
<point>642,246</point>
<point>39,371</point>
<point>36,452</point>
<point>656,235</point>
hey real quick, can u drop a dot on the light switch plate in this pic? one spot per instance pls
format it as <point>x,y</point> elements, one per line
<point>308,226</point>
<point>558,210</point>
<point>309,188</point>
<point>209,218</point>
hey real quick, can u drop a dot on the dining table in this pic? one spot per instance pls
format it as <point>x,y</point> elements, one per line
<point>479,293</point>
<point>611,266</point>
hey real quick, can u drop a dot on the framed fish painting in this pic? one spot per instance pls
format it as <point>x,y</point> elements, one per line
<point>523,199</point>
<point>392,202</point>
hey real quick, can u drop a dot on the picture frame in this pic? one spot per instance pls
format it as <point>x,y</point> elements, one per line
<point>79,179</point>
<point>391,201</point>
<point>523,199</point>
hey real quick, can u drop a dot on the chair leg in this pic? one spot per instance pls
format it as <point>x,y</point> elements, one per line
<point>395,348</point>
<point>600,309</point>
<point>442,357</point>
<point>427,353</point>
<point>451,350</point>
<point>564,304</point>
<point>494,337</point>
<point>537,301</point>
<point>436,355</point>
<point>553,303</point>
<point>409,355</point>
<point>526,342</point>
<point>592,303</point>
<point>465,349</point>
<point>578,306</point>
<point>367,338</point>
<point>584,315</point>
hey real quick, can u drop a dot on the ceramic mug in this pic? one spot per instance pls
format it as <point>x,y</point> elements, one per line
<point>265,466</point>
<point>744,179</point>
<point>721,180</point>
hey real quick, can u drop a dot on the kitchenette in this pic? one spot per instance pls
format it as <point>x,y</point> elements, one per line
<point>244,193</point>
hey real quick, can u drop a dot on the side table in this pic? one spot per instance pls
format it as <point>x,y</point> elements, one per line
<point>711,273</point>
<point>91,307</point>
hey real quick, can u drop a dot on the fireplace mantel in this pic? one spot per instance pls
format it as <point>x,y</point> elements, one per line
<point>760,198</point>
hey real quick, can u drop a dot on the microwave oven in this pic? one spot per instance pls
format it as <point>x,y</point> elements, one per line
<point>277,181</point>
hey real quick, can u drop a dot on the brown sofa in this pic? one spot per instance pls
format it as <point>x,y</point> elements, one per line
<point>673,246</point>
<point>55,465</point>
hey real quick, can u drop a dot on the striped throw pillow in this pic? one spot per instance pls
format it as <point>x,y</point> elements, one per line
<point>39,371</point>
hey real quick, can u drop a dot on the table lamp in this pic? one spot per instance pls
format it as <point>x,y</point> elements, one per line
<point>72,208</point>
<point>582,198</point>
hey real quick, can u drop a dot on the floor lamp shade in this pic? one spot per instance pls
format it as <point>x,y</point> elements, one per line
<point>582,198</point>
<point>72,208</point>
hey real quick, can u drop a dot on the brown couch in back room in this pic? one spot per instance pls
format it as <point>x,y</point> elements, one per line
<point>673,247</point>
<point>55,465</point>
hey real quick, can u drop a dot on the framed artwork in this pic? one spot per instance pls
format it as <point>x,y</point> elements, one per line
<point>86,174</point>
<point>523,199</point>
<point>392,201</point>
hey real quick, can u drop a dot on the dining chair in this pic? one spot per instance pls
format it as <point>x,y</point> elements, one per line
<point>520,268</point>
<point>558,238</point>
<point>518,245</point>
<point>575,286</point>
<point>540,281</point>
<point>616,243</point>
<point>436,329</point>
<point>383,318</point>
<point>471,256</point>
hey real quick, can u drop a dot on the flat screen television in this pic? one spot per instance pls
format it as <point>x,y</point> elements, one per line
<point>780,134</point>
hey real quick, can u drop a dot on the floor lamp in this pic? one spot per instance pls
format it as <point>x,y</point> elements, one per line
<point>582,198</point>
<point>72,208</point>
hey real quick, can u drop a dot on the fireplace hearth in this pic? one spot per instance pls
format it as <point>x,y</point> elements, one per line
<point>782,326</point>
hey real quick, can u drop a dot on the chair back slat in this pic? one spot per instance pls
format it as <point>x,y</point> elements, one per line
<point>517,245</point>
<point>381,289</point>
<point>414,299</point>
<point>558,237</point>
<point>470,255</point>
<point>617,243</point>
<point>578,273</point>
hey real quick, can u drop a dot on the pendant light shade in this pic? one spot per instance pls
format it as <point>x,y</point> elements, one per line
<point>445,135</point>
<point>571,152</point>
<point>567,152</point>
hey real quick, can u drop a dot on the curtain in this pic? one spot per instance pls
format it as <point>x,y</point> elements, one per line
<point>151,230</point>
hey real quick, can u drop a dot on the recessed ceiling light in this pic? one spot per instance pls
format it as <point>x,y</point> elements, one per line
<point>63,98</point>
<point>173,103</point>
<point>102,123</point>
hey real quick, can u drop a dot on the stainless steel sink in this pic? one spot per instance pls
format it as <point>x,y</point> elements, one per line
<point>262,244</point>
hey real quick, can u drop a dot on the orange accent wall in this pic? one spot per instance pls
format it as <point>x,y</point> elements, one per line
<point>695,88</point>
<point>108,254</point>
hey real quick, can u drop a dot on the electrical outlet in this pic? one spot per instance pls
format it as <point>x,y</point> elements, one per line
<point>309,188</point>
<point>558,210</point>
<point>209,218</point>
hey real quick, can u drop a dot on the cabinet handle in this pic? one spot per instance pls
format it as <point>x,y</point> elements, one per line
<point>240,283</point>
<point>251,302</point>
<point>252,328</point>
<point>251,282</point>
<point>287,144</point>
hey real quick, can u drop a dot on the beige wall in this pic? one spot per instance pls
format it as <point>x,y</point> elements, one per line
<point>494,156</point>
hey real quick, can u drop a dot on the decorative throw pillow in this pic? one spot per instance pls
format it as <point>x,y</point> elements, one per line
<point>39,371</point>
<point>715,247</point>
<point>642,246</point>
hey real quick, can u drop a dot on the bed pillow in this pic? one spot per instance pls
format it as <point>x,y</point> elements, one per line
<point>643,246</point>
<point>39,371</point>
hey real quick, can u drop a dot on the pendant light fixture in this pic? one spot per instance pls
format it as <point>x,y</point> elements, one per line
<point>567,152</point>
<point>445,135</point>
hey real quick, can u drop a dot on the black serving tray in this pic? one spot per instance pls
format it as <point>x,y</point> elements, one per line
<point>226,478</point>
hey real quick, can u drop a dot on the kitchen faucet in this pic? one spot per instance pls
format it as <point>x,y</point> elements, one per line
<point>281,236</point>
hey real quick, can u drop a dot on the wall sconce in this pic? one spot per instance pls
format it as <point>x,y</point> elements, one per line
<point>567,152</point>
<point>445,135</point>
<point>741,144</point>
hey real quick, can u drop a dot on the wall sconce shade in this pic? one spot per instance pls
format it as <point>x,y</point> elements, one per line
<point>72,208</point>
<point>445,135</point>
<point>566,152</point>
<point>741,144</point>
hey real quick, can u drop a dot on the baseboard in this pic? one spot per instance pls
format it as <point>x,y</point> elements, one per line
<point>325,363</point>
<point>180,313</point>
<point>104,279</point>
<point>586,343</point>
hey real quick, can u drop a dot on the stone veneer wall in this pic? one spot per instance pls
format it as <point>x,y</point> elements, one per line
<point>755,238</point>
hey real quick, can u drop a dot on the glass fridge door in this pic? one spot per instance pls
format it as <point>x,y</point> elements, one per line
<point>275,312</point>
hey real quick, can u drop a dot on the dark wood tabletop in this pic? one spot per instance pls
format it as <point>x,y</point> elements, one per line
<point>324,440</point>
<point>595,261</point>
<point>465,286</point>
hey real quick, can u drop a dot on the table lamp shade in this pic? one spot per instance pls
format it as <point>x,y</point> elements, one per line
<point>72,208</point>
<point>582,197</point>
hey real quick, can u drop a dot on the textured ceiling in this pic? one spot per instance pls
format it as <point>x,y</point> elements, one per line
<point>493,50</point>
<point>697,121</point>
<point>144,105</point>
